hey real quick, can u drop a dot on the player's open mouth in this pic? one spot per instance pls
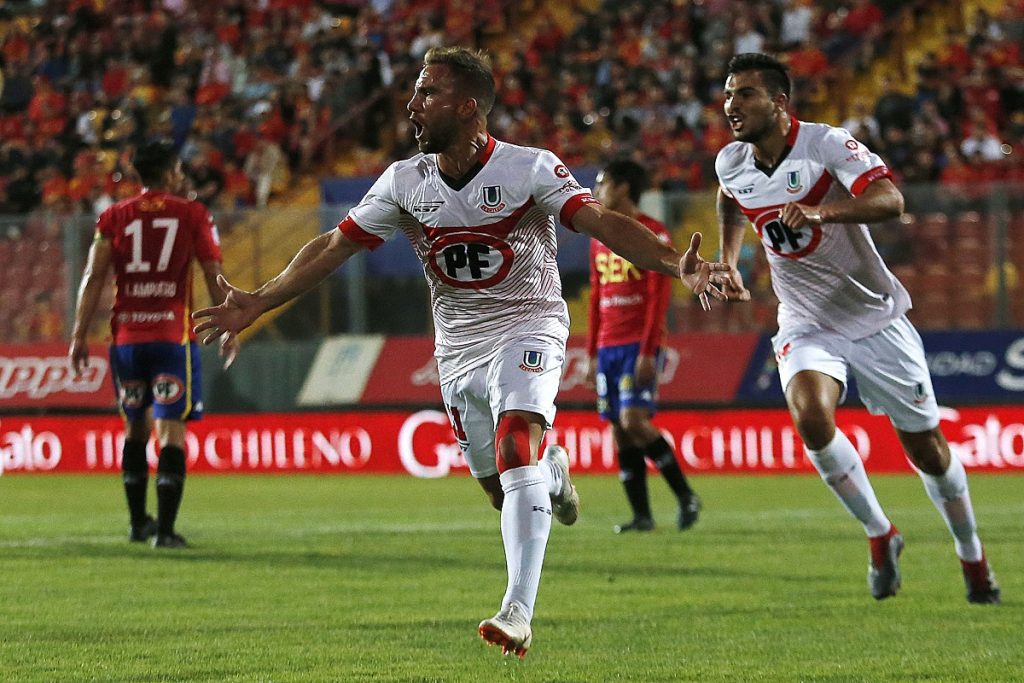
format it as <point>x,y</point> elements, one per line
<point>417,129</point>
<point>735,122</point>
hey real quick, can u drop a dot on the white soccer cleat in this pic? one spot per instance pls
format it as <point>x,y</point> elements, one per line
<point>566,505</point>
<point>510,629</point>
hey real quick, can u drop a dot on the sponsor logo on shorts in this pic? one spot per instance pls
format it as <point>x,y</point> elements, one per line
<point>167,389</point>
<point>533,361</point>
<point>132,394</point>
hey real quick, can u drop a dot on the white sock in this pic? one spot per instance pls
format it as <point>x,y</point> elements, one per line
<point>552,476</point>
<point>841,468</point>
<point>525,526</point>
<point>952,499</point>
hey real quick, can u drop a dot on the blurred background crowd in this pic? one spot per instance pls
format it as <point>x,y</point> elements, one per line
<point>264,95</point>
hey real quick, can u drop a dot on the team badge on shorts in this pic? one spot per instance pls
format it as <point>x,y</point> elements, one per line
<point>132,394</point>
<point>533,361</point>
<point>920,395</point>
<point>167,389</point>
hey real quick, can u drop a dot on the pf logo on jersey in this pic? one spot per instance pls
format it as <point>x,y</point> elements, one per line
<point>470,261</point>
<point>783,239</point>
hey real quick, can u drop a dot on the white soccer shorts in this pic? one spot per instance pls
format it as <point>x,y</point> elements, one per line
<point>523,375</point>
<point>889,366</point>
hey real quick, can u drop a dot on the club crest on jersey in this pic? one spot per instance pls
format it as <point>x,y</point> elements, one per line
<point>533,361</point>
<point>492,199</point>
<point>793,184</point>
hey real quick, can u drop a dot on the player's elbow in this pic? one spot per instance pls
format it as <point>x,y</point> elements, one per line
<point>896,204</point>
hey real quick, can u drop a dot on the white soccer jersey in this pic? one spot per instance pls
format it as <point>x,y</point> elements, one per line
<point>487,244</point>
<point>827,276</point>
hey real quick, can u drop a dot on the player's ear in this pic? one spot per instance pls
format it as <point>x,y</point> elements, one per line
<point>468,108</point>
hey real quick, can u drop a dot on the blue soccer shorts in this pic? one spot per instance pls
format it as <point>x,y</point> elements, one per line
<point>616,381</point>
<point>163,375</point>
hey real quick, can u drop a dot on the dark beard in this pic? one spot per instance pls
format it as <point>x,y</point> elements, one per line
<point>438,141</point>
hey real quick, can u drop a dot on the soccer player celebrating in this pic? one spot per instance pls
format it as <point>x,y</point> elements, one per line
<point>624,334</point>
<point>808,189</point>
<point>151,240</point>
<point>478,213</point>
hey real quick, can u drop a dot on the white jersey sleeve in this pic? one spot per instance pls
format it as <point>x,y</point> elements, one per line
<point>375,219</point>
<point>555,190</point>
<point>848,160</point>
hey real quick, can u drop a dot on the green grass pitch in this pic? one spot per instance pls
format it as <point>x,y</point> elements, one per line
<point>361,578</point>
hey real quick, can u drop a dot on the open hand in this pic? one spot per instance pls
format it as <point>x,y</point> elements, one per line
<point>696,273</point>
<point>238,310</point>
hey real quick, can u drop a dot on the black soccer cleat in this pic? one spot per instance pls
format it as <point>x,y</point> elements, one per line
<point>637,524</point>
<point>884,568</point>
<point>689,511</point>
<point>143,532</point>
<point>980,580</point>
<point>171,540</point>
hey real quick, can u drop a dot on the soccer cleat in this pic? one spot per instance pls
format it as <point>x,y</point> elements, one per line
<point>566,505</point>
<point>171,540</point>
<point>980,580</point>
<point>142,532</point>
<point>689,511</point>
<point>510,629</point>
<point>884,568</point>
<point>637,524</point>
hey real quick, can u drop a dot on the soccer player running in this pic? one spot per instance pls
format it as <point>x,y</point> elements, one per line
<point>624,335</point>
<point>478,213</point>
<point>150,241</point>
<point>808,189</point>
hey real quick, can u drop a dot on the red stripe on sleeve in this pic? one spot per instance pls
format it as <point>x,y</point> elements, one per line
<point>570,208</point>
<point>355,233</point>
<point>861,183</point>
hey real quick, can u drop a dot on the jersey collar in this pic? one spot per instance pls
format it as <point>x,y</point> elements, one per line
<point>794,129</point>
<point>459,183</point>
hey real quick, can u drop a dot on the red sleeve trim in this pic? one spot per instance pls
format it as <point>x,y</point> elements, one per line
<point>351,230</point>
<point>570,208</point>
<point>861,183</point>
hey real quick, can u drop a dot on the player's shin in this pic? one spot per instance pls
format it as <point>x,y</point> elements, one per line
<point>170,485</point>
<point>949,493</point>
<point>841,468</point>
<point>135,474</point>
<point>525,527</point>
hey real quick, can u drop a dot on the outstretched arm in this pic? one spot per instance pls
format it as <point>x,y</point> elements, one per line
<point>320,257</point>
<point>631,240</point>
<point>731,224</point>
<point>93,279</point>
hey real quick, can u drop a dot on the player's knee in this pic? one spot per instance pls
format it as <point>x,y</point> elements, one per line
<point>928,451</point>
<point>816,428</point>
<point>497,499</point>
<point>634,425</point>
<point>170,470</point>
<point>513,442</point>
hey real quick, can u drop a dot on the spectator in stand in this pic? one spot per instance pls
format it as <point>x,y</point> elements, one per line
<point>893,109</point>
<point>982,145</point>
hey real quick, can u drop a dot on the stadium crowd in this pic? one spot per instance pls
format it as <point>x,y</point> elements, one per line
<point>255,93</point>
